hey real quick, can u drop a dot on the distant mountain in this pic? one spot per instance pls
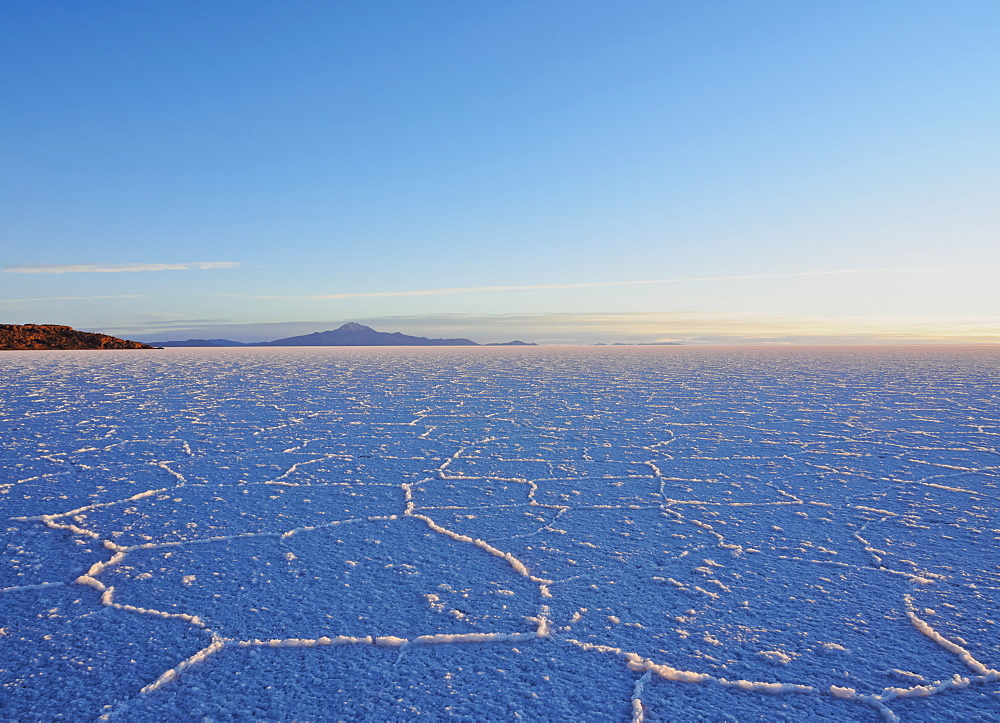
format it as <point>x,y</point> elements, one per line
<point>53,336</point>
<point>352,334</point>
<point>200,342</point>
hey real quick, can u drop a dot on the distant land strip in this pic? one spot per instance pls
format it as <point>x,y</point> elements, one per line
<point>15,337</point>
<point>350,334</point>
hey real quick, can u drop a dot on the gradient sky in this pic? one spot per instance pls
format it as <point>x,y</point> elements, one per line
<point>562,172</point>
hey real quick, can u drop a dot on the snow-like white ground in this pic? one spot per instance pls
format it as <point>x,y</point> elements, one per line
<point>609,534</point>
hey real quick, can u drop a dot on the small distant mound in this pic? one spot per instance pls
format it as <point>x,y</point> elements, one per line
<point>53,336</point>
<point>516,342</point>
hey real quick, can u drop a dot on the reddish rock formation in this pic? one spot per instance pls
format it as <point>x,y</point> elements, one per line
<point>53,336</point>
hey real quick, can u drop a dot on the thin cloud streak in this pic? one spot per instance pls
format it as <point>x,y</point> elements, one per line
<point>600,284</point>
<point>115,268</point>
<point>70,298</point>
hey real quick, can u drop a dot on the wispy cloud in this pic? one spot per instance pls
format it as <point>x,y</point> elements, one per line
<point>68,298</point>
<point>114,268</point>
<point>181,322</point>
<point>598,284</point>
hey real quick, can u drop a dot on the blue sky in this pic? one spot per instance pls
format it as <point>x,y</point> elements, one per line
<point>566,172</point>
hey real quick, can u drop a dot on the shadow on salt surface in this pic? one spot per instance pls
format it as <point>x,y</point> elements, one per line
<point>584,491</point>
<point>897,463</point>
<point>704,469</point>
<point>568,544</point>
<point>602,468</point>
<point>365,468</point>
<point>834,489</point>
<point>939,550</point>
<point>705,444</point>
<point>195,512</point>
<point>17,463</point>
<point>537,680</point>
<point>756,618</point>
<point>975,703</point>
<point>948,458</point>
<point>494,525</point>
<point>960,499</point>
<point>113,451</point>
<point>308,466</point>
<point>231,469</point>
<point>819,535</point>
<point>949,531</point>
<point>922,463</point>
<point>80,487</point>
<point>724,492</point>
<point>400,443</point>
<point>520,444</point>
<point>669,701</point>
<point>496,468</point>
<point>969,616</point>
<point>725,481</point>
<point>33,555</point>
<point>382,578</point>
<point>470,493</point>
<point>64,655</point>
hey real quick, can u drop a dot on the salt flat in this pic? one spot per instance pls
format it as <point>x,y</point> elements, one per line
<point>582,533</point>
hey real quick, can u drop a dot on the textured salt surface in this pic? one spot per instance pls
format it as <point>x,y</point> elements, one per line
<point>621,534</point>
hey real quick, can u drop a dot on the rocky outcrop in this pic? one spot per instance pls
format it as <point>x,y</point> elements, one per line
<point>53,336</point>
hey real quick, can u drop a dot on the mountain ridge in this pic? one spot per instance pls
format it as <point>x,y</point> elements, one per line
<point>349,334</point>
<point>354,334</point>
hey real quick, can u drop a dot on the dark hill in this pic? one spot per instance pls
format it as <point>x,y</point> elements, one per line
<point>352,334</point>
<point>53,336</point>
